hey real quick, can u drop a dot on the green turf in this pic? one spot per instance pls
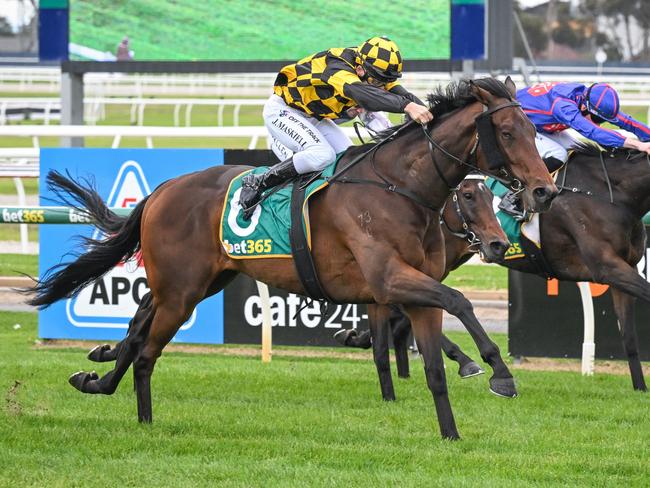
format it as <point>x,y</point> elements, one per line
<point>11,232</point>
<point>233,421</point>
<point>478,277</point>
<point>18,264</point>
<point>8,187</point>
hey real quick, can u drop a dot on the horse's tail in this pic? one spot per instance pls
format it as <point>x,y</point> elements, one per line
<point>85,200</point>
<point>67,279</point>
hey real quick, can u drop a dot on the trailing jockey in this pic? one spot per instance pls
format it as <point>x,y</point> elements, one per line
<point>555,107</point>
<point>311,95</point>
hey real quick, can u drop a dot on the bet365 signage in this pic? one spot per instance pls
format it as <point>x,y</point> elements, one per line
<point>123,177</point>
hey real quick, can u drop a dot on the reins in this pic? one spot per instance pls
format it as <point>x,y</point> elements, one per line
<point>565,170</point>
<point>511,183</point>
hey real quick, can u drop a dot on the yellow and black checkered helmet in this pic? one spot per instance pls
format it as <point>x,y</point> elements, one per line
<point>381,58</point>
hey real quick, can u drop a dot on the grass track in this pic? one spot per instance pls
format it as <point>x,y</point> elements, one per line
<point>232,421</point>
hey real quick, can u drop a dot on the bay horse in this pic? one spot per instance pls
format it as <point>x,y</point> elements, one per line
<point>377,241</point>
<point>469,227</point>
<point>594,232</point>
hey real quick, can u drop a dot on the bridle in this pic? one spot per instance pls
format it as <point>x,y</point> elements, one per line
<point>466,233</point>
<point>485,137</point>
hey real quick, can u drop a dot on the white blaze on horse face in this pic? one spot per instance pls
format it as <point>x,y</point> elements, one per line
<point>235,207</point>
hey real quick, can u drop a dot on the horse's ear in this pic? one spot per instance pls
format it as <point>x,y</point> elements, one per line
<point>510,85</point>
<point>479,93</point>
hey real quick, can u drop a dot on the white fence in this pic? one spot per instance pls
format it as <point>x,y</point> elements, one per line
<point>148,132</point>
<point>95,108</point>
<point>632,81</point>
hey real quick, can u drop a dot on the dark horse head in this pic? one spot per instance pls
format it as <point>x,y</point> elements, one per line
<point>470,207</point>
<point>506,138</point>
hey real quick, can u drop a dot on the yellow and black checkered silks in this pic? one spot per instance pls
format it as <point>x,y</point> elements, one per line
<point>383,55</point>
<point>316,88</point>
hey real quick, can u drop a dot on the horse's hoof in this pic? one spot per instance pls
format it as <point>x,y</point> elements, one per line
<point>81,379</point>
<point>503,387</point>
<point>97,353</point>
<point>344,335</point>
<point>470,369</point>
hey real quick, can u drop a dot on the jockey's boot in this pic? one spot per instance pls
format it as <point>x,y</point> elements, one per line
<point>553,164</point>
<point>512,205</point>
<point>254,185</point>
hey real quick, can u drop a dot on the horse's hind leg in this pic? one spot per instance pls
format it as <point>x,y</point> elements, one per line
<point>467,366</point>
<point>380,327</point>
<point>427,328</point>
<point>107,384</point>
<point>624,307</point>
<point>172,310</point>
<point>105,353</point>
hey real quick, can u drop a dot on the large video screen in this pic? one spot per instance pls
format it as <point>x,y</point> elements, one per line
<point>191,30</point>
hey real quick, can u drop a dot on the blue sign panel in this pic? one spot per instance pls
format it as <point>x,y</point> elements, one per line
<point>122,177</point>
<point>468,29</point>
<point>53,33</point>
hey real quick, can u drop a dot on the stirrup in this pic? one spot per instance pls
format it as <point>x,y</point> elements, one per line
<point>511,204</point>
<point>251,183</point>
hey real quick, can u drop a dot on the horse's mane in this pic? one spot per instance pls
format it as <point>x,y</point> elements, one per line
<point>455,95</point>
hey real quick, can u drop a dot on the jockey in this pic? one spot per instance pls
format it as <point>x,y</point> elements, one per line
<point>311,95</point>
<point>555,107</point>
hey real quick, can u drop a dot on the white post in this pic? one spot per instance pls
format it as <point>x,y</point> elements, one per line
<point>22,201</point>
<point>588,345</point>
<point>266,321</point>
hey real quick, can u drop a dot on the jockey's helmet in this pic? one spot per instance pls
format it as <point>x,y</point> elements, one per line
<point>381,59</point>
<point>602,101</point>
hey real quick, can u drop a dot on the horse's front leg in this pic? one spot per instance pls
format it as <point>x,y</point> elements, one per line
<point>466,365</point>
<point>378,316</point>
<point>401,328</point>
<point>624,307</point>
<point>410,286</point>
<point>397,282</point>
<point>426,323</point>
<point>626,284</point>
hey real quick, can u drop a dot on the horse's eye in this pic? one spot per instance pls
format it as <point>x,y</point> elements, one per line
<point>467,195</point>
<point>506,135</point>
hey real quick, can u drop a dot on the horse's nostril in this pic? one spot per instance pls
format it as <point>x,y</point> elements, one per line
<point>498,247</point>
<point>541,193</point>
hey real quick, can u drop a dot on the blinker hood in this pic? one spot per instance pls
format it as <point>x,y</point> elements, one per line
<point>488,142</point>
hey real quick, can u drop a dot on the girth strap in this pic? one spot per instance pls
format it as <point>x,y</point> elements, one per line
<point>302,258</point>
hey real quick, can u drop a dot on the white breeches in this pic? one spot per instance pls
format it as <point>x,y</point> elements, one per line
<point>313,143</point>
<point>554,145</point>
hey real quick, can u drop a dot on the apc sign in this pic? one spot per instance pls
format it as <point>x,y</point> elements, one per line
<point>123,177</point>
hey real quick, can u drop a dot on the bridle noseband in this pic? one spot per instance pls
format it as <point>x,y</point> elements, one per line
<point>466,233</point>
